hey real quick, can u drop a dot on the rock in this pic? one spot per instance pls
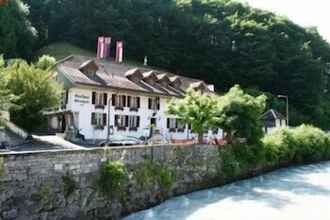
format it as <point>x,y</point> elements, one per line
<point>11,214</point>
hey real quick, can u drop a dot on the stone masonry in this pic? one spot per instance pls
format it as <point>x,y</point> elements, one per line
<point>33,186</point>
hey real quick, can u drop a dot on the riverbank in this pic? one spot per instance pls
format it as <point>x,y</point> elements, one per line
<point>299,192</point>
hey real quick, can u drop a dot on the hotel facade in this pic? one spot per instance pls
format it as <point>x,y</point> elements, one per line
<point>105,98</point>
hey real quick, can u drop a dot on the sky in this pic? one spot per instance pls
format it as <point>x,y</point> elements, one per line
<point>303,12</point>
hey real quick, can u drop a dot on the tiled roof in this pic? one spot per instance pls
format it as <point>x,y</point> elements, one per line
<point>271,114</point>
<point>115,75</point>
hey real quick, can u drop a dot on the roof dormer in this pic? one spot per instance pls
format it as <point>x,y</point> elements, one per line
<point>150,77</point>
<point>89,68</point>
<point>134,75</point>
<point>175,82</point>
<point>163,79</point>
<point>199,86</point>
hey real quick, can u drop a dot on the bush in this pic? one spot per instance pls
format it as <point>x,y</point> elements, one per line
<point>68,185</point>
<point>152,173</point>
<point>302,144</point>
<point>113,177</point>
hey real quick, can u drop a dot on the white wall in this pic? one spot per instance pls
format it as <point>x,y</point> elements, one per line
<point>80,101</point>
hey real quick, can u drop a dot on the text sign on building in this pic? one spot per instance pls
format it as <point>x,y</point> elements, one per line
<point>82,99</point>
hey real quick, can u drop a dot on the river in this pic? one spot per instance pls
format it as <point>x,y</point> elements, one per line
<point>301,193</point>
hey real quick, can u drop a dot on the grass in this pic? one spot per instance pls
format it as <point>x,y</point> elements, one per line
<point>61,50</point>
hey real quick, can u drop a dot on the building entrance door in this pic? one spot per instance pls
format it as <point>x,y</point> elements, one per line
<point>153,124</point>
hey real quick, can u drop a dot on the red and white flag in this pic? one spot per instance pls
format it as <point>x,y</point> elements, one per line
<point>100,47</point>
<point>119,51</point>
<point>107,43</point>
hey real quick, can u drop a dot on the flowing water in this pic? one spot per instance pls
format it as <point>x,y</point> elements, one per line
<point>298,193</point>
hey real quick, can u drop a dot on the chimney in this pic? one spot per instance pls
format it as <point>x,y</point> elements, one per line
<point>103,47</point>
<point>145,62</point>
<point>119,52</point>
<point>210,87</point>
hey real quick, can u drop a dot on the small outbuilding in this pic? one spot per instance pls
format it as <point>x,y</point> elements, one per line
<point>273,119</point>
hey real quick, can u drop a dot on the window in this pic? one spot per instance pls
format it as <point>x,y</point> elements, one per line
<point>133,122</point>
<point>99,99</point>
<point>133,102</point>
<point>119,101</point>
<point>99,120</point>
<point>121,121</point>
<point>124,121</point>
<point>171,124</point>
<point>154,103</point>
<point>180,125</point>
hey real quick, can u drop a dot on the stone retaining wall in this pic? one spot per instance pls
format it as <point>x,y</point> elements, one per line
<point>35,185</point>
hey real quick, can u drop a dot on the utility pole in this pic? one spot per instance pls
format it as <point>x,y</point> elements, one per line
<point>108,133</point>
<point>287,107</point>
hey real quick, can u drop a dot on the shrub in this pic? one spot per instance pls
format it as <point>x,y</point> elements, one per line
<point>113,177</point>
<point>166,178</point>
<point>150,173</point>
<point>302,144</point>
<point>69,185</point>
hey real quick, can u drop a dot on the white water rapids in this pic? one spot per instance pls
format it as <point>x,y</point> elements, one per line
<point>298,193</point>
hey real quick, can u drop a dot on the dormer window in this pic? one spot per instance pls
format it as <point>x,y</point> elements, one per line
<point>89,68</point>
<point>163,79</point>
<point>176,82</point>
<point>150,77</point>
<point>134,75</point>
<point>199,86</point>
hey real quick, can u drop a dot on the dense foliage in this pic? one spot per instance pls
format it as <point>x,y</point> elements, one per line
<point>221,41</point>
<point>34,91</point>
<point>113,177</point>
<point>238,114</point>
<point>194,109</point>
<point>151,173</point>
<point>304,144</point>
<point>6,98</point>
<point>17,35</point>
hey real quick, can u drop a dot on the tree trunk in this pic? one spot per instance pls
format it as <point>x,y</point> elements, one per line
<point>200,138</point>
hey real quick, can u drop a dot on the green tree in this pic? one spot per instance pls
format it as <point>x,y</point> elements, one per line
<point>6,98</point>
<point>35,91</point>
<point>45,62</point>
<point>194,109</point>
<point>17,35</point>
<point>238,114</point>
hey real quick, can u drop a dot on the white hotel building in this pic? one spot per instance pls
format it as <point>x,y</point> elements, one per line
<point>104,97</point>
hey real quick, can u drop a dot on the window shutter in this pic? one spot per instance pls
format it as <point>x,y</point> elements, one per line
<point>93,121</point>
<point>116,120</point>
<point>138,102</point>
<point>93,97</point>
<point>149,103</point>
<point>138,121</point>
<point>66,96</point>
<point>105,99</point>
<point>104,119</point>
<point>124,101</point>
<point>126,120</point>
<point>176,123</point>
<point>128,101</point>
<point>113,100</point>
<point>168,122</point>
